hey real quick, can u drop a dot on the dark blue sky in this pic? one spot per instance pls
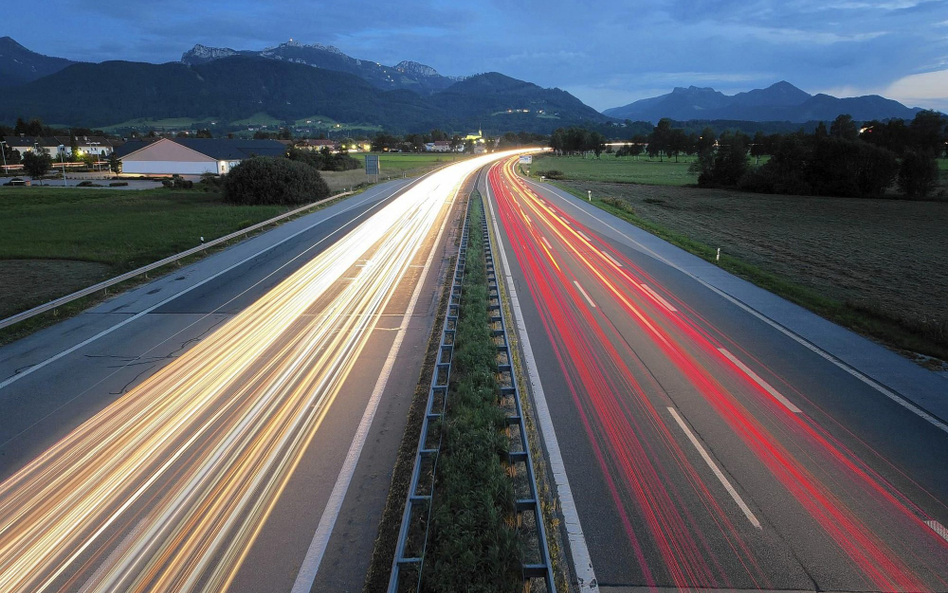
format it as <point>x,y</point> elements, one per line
<point>607,54</point>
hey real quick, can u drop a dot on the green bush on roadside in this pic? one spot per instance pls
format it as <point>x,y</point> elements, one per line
<point>264,180</point>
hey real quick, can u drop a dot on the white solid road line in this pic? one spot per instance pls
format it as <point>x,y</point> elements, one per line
<point>757,379</point>
<point>659,298</point>
<point>31,369</point>
<point>547,243</point>
<point>714,468</point>
<point>938,528</point>
<point>583,235</point>
<point>895,397</point>
<point>317,548</point>
<point>582,562</point>
<point>586,296</point>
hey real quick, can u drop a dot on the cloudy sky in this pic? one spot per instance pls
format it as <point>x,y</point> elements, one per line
<point>606,53</point>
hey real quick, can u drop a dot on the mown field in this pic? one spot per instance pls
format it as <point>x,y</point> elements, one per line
<point>886,259</point>
<point>56,240</point>
<point>618,169</point>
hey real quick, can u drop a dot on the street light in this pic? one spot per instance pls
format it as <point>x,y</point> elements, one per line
<point>62,159</point>
<point>4,151</point>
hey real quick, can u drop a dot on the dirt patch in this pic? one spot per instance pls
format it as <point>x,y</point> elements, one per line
<point>25,283</point>
<point>886,256</point>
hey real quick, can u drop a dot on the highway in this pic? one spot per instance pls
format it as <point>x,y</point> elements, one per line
<point>206,440</point>
<point>701,447</point>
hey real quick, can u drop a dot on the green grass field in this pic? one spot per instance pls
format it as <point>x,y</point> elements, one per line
<point>54,241</point>
<point>124,229</point>
<point>609,168</point>
<point>398,163</point>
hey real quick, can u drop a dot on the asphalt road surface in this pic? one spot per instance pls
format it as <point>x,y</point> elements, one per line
<point>705,449</point>
<point>214,430</point>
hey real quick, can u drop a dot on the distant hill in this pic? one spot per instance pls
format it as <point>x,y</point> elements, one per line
<point>779,102</point>
<point>239,86</point>
<point>19,65</point>
<point>406,75</point>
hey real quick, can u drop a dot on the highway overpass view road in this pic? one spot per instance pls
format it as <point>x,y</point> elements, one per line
<point>200,433</point>
<point>695,445</point>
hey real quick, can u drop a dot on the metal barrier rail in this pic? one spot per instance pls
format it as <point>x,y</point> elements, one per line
<point>23,316</point>
<point>543,568</point>
<point>418,502</point>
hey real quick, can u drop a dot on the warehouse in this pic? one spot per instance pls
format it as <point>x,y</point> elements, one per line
<point>191,156</point>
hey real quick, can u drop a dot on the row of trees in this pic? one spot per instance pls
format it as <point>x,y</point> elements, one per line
<point>840,160</point>
<point>577,141</point>
<point>324,160</point>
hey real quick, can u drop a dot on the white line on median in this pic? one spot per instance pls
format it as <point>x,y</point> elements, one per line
<point>757,379</point>
<point>714,468</point>
<point>317,548</point>
<point>659,298</point>
<point>547,243</point>
<point>584,236</point>
<point>938,528</point>
<point>582,562</point>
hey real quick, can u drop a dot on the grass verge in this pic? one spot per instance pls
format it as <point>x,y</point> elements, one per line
<point>909,340</point>
<point>43,320</point>
<point>473,542</point>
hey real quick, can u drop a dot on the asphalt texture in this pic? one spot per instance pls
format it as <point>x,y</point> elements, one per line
<point>713,436</point>
<point>59,378</point>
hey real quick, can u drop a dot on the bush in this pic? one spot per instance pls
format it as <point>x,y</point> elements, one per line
<point>265,180</point>
<point>177,182</point>
<point>118,184</point>
<point>211,182</point>
<point>918,174</point>
<point>553,174</point>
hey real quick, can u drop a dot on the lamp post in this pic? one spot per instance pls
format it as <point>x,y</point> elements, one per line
<point>3,150</point>
<point>62,159</point>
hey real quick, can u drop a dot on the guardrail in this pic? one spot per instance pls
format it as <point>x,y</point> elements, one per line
<point>528,507</point>
<point>409,551</point>
<point>23,316</point>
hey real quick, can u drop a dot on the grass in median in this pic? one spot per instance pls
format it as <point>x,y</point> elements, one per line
<point>609,168</point>
<point>905,334</point>
<point>473,543</point>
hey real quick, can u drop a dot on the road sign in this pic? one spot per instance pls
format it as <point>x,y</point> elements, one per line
<point>372,164</point>
<point>526,160</point>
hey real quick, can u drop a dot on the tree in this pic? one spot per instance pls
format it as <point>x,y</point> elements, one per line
<point>759,146</point>
<point>438,135</point>
<point>844,127</point>
<point>727,165</point>
<point>265,180</point>
<point>658,141</point>
<point>706,140</point>
<point>114,163</point>
<point>928,133</point>
<point>456,143</point>
<point>37,163</point>
<point>205,133</point>
<point>285,134</point>
<point>596,143</point>
<point>676,143</point>
<point>918,174</point>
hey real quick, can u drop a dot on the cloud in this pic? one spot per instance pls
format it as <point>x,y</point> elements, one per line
<point>926,89</point>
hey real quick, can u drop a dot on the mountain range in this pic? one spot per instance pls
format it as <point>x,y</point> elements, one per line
<point>293,81</point>
<point>779,102</point>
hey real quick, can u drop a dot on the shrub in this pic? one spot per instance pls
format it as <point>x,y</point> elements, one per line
<point>211,182</point>
<point>264,180</point>
<point>553,174</point>
<point>118,184</point>
<point>177,182</point>
<point>918,174</point>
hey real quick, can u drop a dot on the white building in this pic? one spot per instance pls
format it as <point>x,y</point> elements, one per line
<point>192,156</point>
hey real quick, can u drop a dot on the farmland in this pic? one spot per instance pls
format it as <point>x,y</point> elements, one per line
<point>618,169</point>
<point>860,262</point>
